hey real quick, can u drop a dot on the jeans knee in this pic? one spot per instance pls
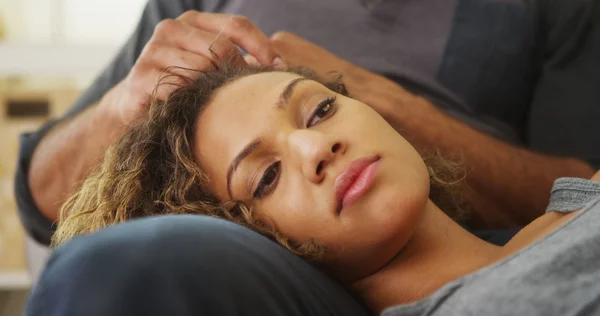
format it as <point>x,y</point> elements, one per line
<point>183,265</point>
<point>161,242</point>
<point>147,259</point>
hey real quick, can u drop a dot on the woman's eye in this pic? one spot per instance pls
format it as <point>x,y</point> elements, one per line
<point>322,110</point>
<point>268,180</point>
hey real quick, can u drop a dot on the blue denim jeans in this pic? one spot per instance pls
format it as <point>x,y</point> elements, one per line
<point>184,265</point>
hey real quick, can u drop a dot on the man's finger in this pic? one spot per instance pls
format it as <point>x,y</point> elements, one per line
<point>164,55</point>
<point>188,38</point>
<point>284,36</point>
<point>250,60</point>
<point>238,29</point>
<point>286,42</point>
<point>223,50</point>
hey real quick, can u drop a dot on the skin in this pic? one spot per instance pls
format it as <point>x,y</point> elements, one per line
<point>392,245</point>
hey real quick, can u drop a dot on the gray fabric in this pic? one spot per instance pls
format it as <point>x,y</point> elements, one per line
<point>488,28</point>
<point>557,275</point>
<point>570,194</point>
<point>565,109</point>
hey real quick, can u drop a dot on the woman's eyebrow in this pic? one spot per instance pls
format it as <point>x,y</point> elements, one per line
<point>247,151</point>
<point>285,96</point>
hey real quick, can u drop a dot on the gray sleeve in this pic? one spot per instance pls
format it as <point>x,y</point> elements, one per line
<point>570,194</point>
<point>39,227</point>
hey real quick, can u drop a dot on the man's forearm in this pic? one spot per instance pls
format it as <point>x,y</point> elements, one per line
<point>504,178</point>
<point>66,155</point>
<point>508,185</point>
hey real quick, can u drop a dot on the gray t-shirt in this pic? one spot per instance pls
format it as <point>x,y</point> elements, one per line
<point>557,275</point>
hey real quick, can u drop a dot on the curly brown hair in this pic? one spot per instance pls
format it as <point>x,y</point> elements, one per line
<point>150,170</point>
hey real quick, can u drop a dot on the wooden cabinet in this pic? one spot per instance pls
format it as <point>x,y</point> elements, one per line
<point>22,108</point>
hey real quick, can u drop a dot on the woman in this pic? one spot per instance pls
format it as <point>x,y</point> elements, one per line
<point>326,177</point>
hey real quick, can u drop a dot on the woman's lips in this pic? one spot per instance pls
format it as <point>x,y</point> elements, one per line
<point>355,180</point>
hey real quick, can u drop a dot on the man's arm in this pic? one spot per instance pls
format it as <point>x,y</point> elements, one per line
<point>68,153</point>
<point>510,185</point>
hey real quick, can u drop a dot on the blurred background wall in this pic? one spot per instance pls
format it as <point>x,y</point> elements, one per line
<point>49,51</point>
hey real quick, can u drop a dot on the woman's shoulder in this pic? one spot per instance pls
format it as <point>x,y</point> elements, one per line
<point>548,268</point>
<point>570,198</point>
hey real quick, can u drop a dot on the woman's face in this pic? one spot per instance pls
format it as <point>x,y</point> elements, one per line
<point>317,165</point>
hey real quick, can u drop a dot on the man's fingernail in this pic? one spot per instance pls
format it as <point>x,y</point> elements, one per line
<point>279,64</point>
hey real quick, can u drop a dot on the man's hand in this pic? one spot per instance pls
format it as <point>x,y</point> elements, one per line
<point>297,51</point>
<point>196,41</point>
<point>362,85</point>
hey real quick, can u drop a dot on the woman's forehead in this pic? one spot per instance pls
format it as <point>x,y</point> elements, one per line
<point>243,103</point>
<point>253,86</point>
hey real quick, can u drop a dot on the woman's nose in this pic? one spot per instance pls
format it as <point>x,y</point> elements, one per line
<point>313,151</point>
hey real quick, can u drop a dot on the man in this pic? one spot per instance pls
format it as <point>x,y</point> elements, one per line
<point>482,79</point>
